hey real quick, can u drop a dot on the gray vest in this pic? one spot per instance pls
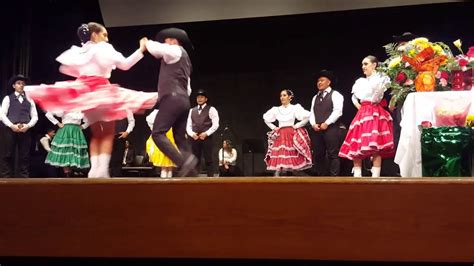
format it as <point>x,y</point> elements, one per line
<point>323,107</point>
<point>174,77</point>
<point>201,122</point>
<point>19,112</point>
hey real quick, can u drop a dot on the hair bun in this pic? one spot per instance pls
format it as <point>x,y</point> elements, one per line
<point>84,33</point>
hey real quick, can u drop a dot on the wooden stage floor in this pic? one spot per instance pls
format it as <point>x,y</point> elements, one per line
<point>288,218</point>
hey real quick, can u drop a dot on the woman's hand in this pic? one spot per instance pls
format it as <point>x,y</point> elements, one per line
<point>143,42</point>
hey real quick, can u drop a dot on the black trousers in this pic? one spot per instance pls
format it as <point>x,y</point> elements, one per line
<point>15,142</point>
<point>327,143</point>
<point>203,148</point>
<point>232,171</point>
<point>174,110</point>
<point>117,157</point>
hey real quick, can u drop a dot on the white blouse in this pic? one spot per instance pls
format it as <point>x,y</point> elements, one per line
<point>228,157</point>
<point>95,59</point>
<point>286,116</point>
<point>150,119</point>
<point>371,89</point>
<point>74,118</point>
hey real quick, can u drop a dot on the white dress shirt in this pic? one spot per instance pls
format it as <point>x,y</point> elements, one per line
<point>170,54</point>
<point>231,157</point>
<point>337,103</point>
<point>213,115</point>
<point>6,105</point>
<point>131,122</point>
<point>95,59</point>
<point>75,118</point>
<point>286,116</point>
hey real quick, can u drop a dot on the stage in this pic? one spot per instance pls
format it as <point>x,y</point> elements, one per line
<point>300,218</point>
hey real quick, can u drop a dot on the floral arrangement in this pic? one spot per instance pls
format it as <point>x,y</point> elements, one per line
<point>421,65</point>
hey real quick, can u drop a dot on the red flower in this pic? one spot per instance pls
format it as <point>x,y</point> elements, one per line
<point>463,62</point>
<point>401,77</point>
<point>444,75</point>
<point>470,53</point>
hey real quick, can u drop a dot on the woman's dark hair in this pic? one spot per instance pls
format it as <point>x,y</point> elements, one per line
<point>373,59</point>
<point>85,31</point>
<point>289,92</point>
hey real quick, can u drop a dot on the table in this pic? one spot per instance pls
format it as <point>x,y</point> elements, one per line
<point>418,107</point>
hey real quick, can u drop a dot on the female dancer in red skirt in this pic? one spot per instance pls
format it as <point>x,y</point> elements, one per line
<point>371,132</point>
<point>101,102</point>
<point>288,143</point>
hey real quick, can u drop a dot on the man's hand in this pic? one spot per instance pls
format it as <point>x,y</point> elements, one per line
<point>195,136</point>
<point>15,128</point>
<point>317,127</point>
<point>323,126</point>
<point>203,136</point>
<point>24,128</point>
<point>123,135</point>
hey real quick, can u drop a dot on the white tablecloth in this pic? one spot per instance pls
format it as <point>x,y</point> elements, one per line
<point>418,107</point>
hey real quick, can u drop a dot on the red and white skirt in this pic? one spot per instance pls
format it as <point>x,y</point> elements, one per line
<point>94,96</point>
<point>370,132</point>
<point>288,149</point>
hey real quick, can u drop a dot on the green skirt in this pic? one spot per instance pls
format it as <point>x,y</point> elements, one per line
<point>69,148</point>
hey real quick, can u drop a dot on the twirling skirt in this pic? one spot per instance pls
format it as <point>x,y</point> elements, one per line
<point>94,96</point>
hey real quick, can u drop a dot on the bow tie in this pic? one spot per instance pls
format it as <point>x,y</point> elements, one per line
<point>199,108</point>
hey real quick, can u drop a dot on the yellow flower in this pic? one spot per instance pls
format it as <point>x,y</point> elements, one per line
<point>457,43</point>
<point>395,62</point>
<point>419,41</point>
<point>438,49</point>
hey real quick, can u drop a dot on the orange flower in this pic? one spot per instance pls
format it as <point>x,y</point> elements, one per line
<point>425,81</point>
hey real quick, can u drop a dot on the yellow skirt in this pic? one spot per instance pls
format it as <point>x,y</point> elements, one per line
<point>157,157</point>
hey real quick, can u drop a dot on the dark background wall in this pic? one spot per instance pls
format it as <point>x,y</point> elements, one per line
<point>242,63</point>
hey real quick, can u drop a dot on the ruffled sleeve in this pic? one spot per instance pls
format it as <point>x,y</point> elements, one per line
<point>302,115</point>
<point>269,117</point>
<point>359,87</point>
<point>379,86</point>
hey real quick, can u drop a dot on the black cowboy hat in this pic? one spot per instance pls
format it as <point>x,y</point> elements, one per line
<point>405,37</point>
<point>329,75</point>
<point>15,78</point>
<point>177,34</point>
<point>202,92</point>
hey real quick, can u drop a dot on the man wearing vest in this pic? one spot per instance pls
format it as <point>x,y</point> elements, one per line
<point>203,121</point>
<point>18,115</point>
<point>123,128</point>
<point>174,87</point>
<point>326,109</point>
